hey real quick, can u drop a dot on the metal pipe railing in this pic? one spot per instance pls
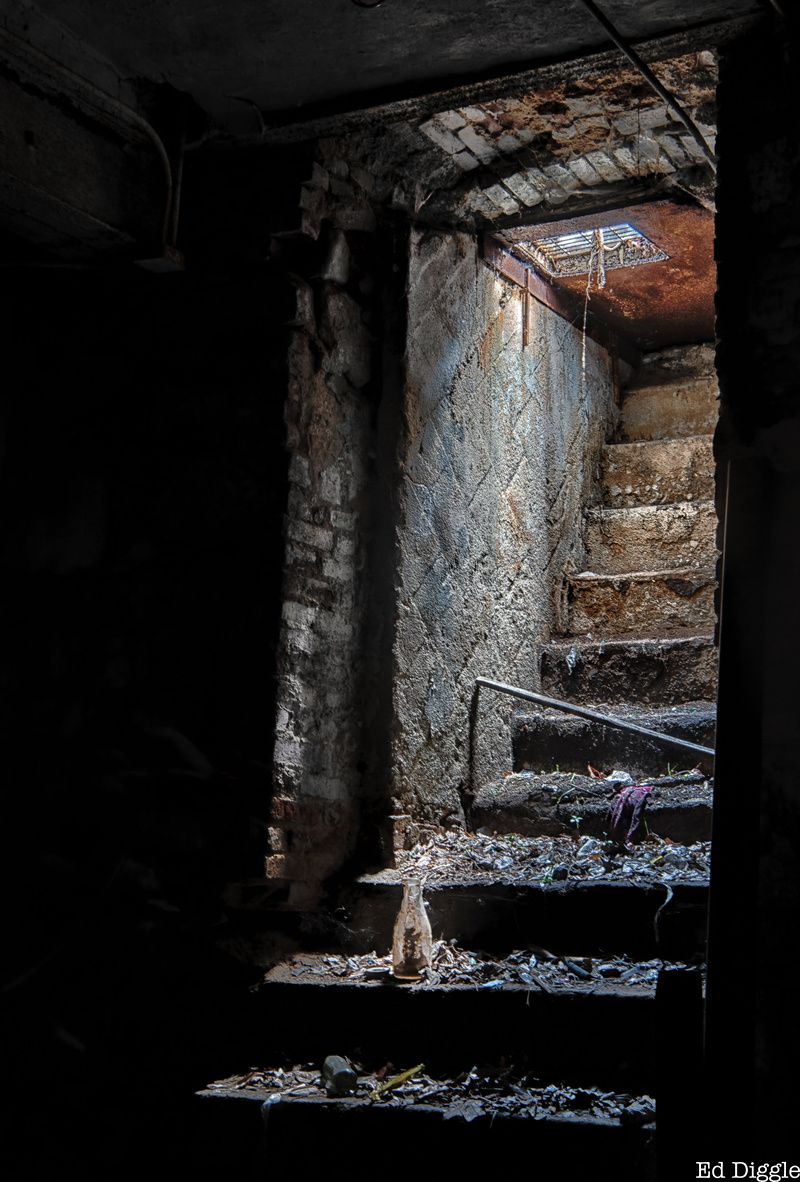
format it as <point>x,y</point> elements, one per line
<point>595,716</point>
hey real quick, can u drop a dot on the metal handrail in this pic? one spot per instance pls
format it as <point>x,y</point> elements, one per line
<point>594,716</point>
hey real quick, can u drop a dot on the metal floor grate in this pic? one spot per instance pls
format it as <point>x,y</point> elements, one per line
<point>574,253</point>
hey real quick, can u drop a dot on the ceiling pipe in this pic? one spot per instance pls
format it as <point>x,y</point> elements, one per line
<point>94,102</point>
<point>661,90</point>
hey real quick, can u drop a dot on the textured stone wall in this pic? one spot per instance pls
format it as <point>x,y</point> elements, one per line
<point>500,451</point>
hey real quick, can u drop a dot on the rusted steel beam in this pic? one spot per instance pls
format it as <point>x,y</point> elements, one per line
<point>556,298</point>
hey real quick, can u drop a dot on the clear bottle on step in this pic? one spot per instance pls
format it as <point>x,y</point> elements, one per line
<point>412,944</point>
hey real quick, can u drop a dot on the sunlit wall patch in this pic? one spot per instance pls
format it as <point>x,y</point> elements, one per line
<point>579,252</point>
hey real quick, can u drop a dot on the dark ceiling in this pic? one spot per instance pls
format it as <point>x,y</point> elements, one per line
<point>286,54</point>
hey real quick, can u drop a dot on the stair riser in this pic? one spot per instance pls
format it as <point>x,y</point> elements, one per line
<point>586,920</point>
<point>657,674</point>
<point>657,606</point>
<point>347,1141</point>
<point>681,823</point>
<point>541,741</point>
<point>650,538</point>
<point>664,472</point>
<point>570,1037</point>
<point>671,411</point>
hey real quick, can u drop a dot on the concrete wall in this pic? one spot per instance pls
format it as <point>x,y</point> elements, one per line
<point>500,450</point>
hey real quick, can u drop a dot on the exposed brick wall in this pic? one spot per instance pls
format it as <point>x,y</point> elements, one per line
<point>501,444</point>
<point>318,764</point>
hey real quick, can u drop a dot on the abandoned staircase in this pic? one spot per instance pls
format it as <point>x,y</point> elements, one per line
<point>640,618</point>
<point>577,1010</point>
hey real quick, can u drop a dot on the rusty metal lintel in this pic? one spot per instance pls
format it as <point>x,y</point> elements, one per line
<point>556,298</point>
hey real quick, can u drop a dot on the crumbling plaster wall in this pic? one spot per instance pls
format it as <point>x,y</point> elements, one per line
<point>500,451</point>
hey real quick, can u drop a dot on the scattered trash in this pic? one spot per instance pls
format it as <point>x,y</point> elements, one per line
<point>267,1106</point>
<point>639,1112</point>
<point>625,813</point>
<point>531,968</point>
<point>622,778</point>
<point>338,1076</point>
<point>466,1110</point>
<point>482,1091</point>
<point>456,857</point>
<point>396,1081</point>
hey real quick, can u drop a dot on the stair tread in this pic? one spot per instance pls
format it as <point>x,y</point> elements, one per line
<point>657,670</point>
<point>561,644</point>
<point>589,1131</point>
<point>614,512</point>
<point>317,970</point>
<point>701,436</point>
<point>629,711</point>
<point>705,570</point>
<point>658,471</point>
<point>605,1108</point>
<point>459,859</point>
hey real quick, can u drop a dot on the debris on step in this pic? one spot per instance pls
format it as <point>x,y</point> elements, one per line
<point>626,812</point>
<point>550,738</point>
<point>546,804</point>
<point>454,856</point>
<point>477,1092</point>
<point>532,968</point>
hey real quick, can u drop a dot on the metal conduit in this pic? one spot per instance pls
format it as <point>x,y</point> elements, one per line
<point>655,83</point>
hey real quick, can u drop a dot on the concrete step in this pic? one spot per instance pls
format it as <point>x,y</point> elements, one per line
<point>594,916</point>
<point>661,672</point>
<point>355,1138</point>
<point>650,537</point>
<point>533,804</point>
<point>557,1030</point>
<point>552,739</point>
<point>684,406</point>
<point>658,472</point>
<point>659,603</point>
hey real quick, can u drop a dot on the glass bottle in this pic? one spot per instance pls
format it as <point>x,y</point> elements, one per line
<point>412,943</point>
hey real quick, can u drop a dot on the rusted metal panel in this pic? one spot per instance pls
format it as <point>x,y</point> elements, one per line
<point>654,304</point>
<point>557,299</point>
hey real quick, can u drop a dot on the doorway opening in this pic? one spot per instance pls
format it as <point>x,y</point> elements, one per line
<point>545,433</point>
